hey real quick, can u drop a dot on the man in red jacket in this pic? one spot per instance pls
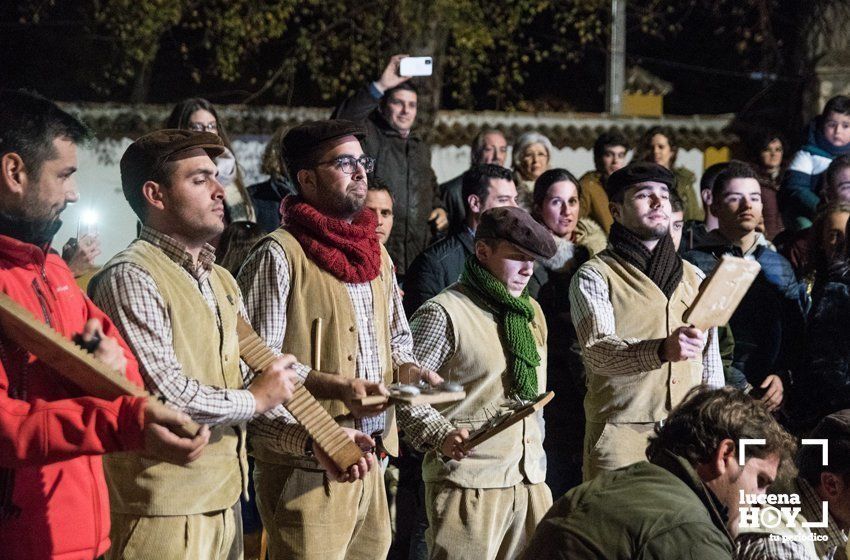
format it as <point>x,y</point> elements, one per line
<point>53,497</point>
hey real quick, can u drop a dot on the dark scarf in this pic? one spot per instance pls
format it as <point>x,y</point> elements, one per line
<point>514,315</point>
<point>349,251</point>
<point>663,266</point>
<point>37,232</point>
<point>817,143</point>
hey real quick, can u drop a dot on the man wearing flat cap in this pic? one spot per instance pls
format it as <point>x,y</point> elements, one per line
<point>322,288</point>
<point>178,311</point>
<point>627,304</point>
<point>485,333</point>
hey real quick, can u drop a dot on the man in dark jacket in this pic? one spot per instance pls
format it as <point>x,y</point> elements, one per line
<point>485,186</point>
<point>684,502</point>
<point>489,146</point>
<point>387,109</point>
<point>770,320</point>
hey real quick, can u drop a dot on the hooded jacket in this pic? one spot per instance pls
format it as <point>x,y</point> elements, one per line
<point>800,193</point>
<point>53,497</point>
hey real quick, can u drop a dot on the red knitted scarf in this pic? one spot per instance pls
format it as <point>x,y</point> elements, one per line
<point>349,251</point>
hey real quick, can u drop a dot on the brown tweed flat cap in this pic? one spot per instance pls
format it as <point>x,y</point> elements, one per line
<point>517,226</point>
<point>147,154</point>
<point>638,172</point>
<point>303,142</point>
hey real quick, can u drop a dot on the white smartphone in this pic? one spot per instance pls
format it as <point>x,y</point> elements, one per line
<point>415,66</point>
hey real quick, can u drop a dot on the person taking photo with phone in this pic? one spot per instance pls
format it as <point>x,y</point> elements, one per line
<point>387,109</point>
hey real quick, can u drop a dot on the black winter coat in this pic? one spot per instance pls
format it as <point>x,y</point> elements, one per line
<point>266,197</point>
<point>769,324</point>
<point>825,379</point>
<point>404,164</point>
<point>436,269</point>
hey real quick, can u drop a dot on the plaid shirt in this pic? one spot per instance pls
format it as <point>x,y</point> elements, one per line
<point>760,546</point>
<point>265,281</point>
<point>608,354</point>
<point>433,345</point>
<point>128,294</point>
<point>834,547</point>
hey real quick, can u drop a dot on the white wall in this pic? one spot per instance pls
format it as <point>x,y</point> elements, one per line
<point>99,183</point>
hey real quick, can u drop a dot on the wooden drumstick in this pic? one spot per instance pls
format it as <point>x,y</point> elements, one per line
<point>317,344</point>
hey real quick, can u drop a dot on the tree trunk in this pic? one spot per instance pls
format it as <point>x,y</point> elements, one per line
<point>142,80</point>
<point>428,37</point>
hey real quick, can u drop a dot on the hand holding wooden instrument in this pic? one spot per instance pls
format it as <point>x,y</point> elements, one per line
<point>69,360</point>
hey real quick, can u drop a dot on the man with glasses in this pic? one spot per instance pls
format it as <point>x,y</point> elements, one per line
<point>387,110</point>
<point>326,263</point>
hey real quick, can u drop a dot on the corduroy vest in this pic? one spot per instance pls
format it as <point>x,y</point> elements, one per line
<point>641,312</point>
<point>480,365</point>
<point>314,293</point>
<point>139,485</point>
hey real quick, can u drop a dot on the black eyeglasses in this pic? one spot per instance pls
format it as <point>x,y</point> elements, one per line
<point>201,127</point>
<point>348,164</point>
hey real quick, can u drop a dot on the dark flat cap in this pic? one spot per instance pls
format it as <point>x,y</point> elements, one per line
<point>638,172</point>
<point>835,428</point>
<point>147,154</point>
<point>517,226</point>
<point>301,143</point>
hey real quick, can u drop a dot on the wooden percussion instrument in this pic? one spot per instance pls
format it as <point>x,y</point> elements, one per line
<point>303,406</point>
<point>396,397</point>
<point>504,421</point>
<point>72,362</point>
<point>722,292</point>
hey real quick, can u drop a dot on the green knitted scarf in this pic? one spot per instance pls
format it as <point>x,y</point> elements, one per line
<point>514,314</point>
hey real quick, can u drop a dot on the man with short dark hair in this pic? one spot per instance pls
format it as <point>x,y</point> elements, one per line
<point>179,310</point>
<point>695,231</point>
<point>627,304</point>
<point>53,496</point>
<point>485,503</point>
<point>322,287</point>
<point>485,186</point>
<point>684,502</point>
<point>768,323</point>
<point>816,484</point>
<point>609,155</point>
<point>489,146</point>
<point>379,199</point>
<point>387,109</point>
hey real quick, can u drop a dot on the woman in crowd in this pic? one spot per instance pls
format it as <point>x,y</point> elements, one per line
<point>199,115</point>
<point>532,154</point>
<point>824,382</point>
<point>658,145</point>
<point>556,206</point>
<point>824,244</point>
<point>769,159</point>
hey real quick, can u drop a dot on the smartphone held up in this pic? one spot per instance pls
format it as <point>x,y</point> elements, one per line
<point>415,66</point>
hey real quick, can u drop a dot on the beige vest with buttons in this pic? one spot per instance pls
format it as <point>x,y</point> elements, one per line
<point>314,293</point>
<point>142,486</point>
<point>480,365</point>
<point>641,312</point>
